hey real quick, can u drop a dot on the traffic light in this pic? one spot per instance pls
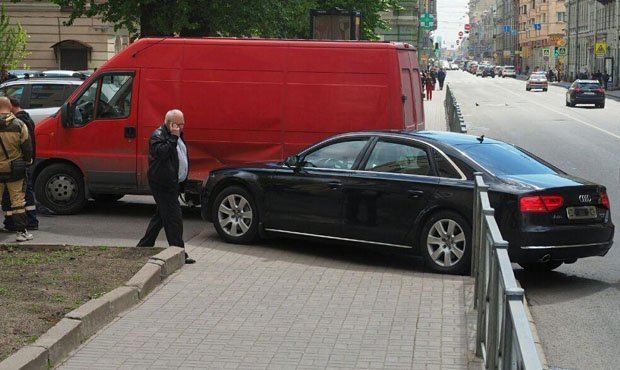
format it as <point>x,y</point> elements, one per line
<point>436,46</point>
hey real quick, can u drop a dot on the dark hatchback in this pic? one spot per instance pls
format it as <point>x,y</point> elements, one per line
<point>413,190</point>
<point>585,92</point>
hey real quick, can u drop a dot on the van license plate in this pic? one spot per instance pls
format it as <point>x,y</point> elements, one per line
<point>580,213</point>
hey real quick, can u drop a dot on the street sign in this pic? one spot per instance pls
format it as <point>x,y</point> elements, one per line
<point>457,42</point>
<point>546,52</point>
<point>600,49</point>
<point>561,51</point>
<point>537,26</point>
<point>562,42</point>
<point>461,33</point>
<point>506,29</point>
<point>467,28</point>
<point>427,20</point>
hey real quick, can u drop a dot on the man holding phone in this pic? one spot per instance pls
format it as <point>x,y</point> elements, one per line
<point>168,170</point>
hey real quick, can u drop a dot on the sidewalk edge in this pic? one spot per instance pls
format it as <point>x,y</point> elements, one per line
<point>53,346</point>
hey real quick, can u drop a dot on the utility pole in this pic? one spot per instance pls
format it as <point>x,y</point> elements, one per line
<point>577,57</point>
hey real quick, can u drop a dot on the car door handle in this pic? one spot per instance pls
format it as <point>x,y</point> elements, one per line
<point>336,185</point>
<point>130,132</point>
<point>415,193</point>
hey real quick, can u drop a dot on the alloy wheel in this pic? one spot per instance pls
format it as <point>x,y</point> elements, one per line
<point>446,243</point>
<point>235,215</point>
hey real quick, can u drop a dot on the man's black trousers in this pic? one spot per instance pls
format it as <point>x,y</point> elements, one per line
<point>167,215</point>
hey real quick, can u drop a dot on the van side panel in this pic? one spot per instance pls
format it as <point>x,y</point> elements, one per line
<point>346,89</point>
<point>233,97</point>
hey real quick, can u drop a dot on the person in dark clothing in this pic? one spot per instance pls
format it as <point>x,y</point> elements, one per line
<point>441,77</point>
<point>168,170</point>
<point>31,209</point>
<point>16,154</point>
<point>433,74</point>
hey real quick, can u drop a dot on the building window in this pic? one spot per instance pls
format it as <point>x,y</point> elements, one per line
<point>561,16</point>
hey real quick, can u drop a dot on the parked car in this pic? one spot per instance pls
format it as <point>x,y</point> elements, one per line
<point>62,73</point>
<point>509,71</point>
<point>413,190</point>
<point>40,97</point>
<point>537,81</point>
<point>480,69</point>
<point>454,67</point>
<point>22,73</point>
<point>498,71</point>
<point>488,71</point>
<point>585,92</point>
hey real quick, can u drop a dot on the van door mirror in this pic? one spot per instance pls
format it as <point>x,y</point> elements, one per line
<point>65,115</point>
<point>293,161</point>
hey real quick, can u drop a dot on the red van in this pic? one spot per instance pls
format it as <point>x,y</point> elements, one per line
<point>243,99</point>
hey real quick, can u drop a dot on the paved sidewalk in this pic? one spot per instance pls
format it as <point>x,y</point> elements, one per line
<point>435,112</point>
<point>289,304</point>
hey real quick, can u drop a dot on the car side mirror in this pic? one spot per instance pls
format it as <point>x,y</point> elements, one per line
<point>65,115</point>
<point>293,161</point>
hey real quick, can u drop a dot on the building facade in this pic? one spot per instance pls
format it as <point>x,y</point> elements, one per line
<point>542,30</point>
<point>482,22</point>
<point>86,44</point>
<point>507,33</point>
<point>594,39</point>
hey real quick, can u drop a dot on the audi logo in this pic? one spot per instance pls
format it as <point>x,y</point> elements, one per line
<point>585,198</point>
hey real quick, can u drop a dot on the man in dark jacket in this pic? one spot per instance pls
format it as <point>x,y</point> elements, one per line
<point>168,170</point>
<point>15,149</point>
<point>31,209</point>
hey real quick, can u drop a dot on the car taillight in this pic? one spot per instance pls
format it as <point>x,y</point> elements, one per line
<point>541,203</point>
<point>605,200</point>
<point>600,90</point>
<point>578,90</point>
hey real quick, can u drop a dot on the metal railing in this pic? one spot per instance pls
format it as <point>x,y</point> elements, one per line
<point>456,123</point>
<point>504,339</point>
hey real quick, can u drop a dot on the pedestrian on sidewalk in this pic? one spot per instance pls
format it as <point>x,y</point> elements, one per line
<point>441,77</point>
<point>15,156</point>
<point>167,173</point>
<point>434,77</point>
<point>31,209</point>
<point>430,86</point>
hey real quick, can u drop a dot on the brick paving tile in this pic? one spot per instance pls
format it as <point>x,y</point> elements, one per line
<point>283,306</point>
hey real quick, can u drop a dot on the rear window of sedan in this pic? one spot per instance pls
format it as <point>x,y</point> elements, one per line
<point>503,159</point>
<point>589,85</point>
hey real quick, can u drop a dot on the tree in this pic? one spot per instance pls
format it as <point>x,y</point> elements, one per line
<point>13,40</point>
<point>264,18</point>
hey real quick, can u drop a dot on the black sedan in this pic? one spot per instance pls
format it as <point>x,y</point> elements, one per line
<point>585,92</point>
<point>413,190</point>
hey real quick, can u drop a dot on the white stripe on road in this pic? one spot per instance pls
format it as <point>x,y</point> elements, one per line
<point>567,115</point>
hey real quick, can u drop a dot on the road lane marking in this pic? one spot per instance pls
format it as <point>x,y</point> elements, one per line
<point>568,115</point>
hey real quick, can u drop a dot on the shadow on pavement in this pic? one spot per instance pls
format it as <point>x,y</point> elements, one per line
<point>326,254</point>
<point>557,287</point>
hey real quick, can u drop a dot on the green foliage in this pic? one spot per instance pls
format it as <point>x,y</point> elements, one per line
<point>264,18</point>
<point>13,40</point>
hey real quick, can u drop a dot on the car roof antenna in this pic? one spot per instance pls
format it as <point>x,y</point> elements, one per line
<point>481,138</point>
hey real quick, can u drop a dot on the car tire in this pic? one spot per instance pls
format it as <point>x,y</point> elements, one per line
<point>60,187</point>
<point>235,215</point>
<point>106,198</point>
<point>527,89</point>
<point>544,90</point>
<point>601,105</point>
<point>567,104</point>
<point>541,266</point>
<point>445,252</point>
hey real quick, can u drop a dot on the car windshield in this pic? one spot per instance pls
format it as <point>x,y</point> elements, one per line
<point>504,159</point>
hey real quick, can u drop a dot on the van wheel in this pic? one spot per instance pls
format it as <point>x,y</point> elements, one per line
<point>541,266</point>
<point>60,187</point>
<point>235,215</point>
<point>446,243</point>
<point>106,198</point>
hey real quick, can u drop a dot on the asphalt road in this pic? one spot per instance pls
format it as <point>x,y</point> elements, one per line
<point>120,223</point>
<point>576,307</point>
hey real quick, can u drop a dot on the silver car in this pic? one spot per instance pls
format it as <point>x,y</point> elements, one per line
<point>40,97</point>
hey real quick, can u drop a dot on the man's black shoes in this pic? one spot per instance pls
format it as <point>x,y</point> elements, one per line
<point>189,260</point>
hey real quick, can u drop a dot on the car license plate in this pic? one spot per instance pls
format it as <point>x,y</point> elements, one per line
<point>588,93</point>
<point>580,213</point>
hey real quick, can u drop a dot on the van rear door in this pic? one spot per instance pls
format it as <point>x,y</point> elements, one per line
<point>413,110</point>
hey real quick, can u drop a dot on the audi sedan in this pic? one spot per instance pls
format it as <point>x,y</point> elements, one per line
<point>585,92</point>
<point>413,191</point>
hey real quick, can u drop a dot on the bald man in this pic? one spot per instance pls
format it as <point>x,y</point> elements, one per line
<point>15,148</point>
<point>168,170</point>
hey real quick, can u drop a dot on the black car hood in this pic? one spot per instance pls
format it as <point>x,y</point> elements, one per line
<point>543,181</point>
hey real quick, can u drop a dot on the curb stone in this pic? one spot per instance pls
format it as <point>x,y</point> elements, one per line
<point>67,335</point>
